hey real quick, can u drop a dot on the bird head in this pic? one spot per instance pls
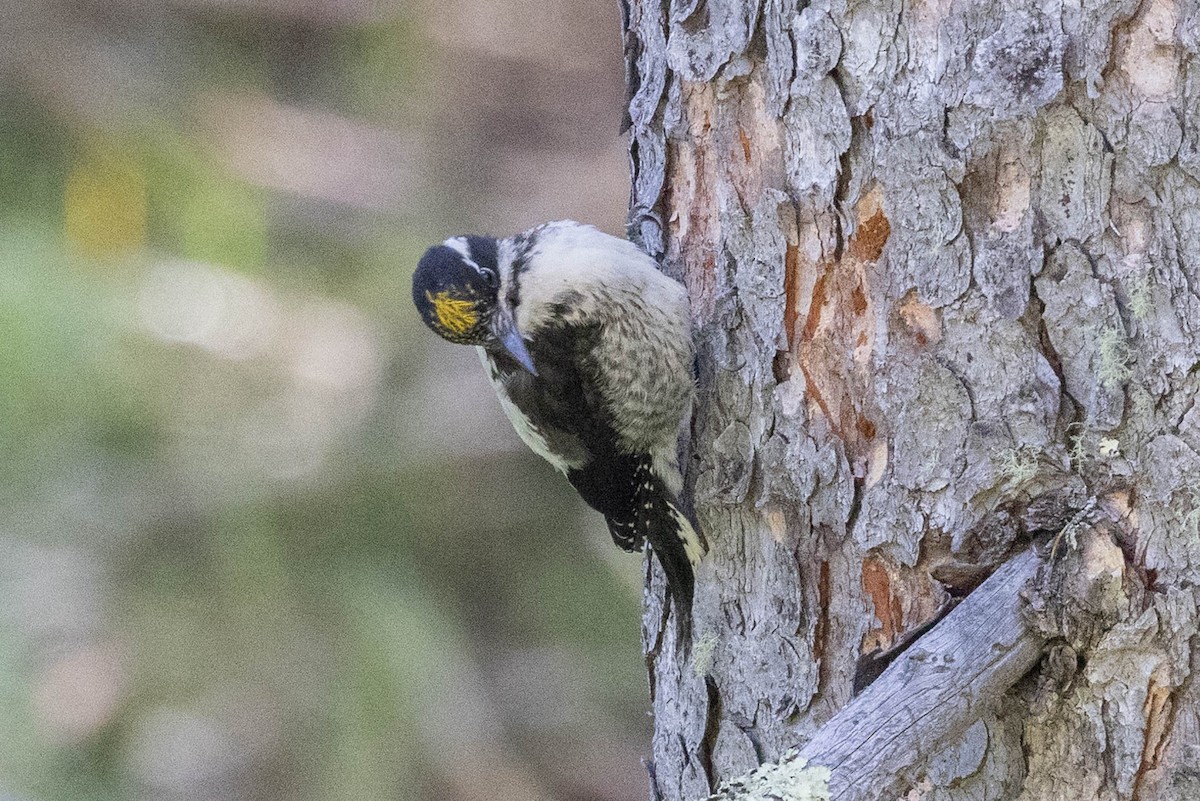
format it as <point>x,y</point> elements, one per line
<point>456,291</point>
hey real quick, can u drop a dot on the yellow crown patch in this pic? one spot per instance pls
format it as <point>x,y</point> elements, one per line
<point>456,315</point>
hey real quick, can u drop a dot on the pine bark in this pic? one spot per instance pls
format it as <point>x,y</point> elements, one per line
<point>944,265</point>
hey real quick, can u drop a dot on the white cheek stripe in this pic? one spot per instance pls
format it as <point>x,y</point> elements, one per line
<point>459,245</point>
<point>505,254</point>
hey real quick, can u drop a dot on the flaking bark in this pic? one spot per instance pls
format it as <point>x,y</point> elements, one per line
<point>944,263</point>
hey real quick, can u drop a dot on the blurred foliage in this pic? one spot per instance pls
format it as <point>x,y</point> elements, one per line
<point>261,536</point>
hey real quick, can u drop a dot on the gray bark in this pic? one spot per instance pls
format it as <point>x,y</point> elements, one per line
<point>944,262</point>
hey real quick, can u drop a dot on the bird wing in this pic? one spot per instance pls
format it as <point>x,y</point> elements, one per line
<point>563,415</point>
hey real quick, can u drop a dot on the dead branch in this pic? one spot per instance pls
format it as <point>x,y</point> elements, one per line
<point>877,745</point>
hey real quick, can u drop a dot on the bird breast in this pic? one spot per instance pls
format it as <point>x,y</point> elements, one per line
<point>642,356</point>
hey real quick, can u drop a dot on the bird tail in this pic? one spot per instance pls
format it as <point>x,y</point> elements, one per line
<point>657,516</point>
<point>679,547</point>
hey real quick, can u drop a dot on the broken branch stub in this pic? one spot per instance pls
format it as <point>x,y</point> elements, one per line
<point>878,745</point>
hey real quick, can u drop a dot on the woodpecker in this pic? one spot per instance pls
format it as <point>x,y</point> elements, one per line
<point>589,349</point>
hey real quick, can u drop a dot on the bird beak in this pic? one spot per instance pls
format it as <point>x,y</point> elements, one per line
<point>506,331</point>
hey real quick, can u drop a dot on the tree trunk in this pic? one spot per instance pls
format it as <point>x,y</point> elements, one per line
<point>944,264</point>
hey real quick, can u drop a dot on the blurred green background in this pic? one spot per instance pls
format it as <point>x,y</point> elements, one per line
<point>262,536</point>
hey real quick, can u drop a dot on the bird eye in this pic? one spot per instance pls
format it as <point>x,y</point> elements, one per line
<point>489,277</point>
